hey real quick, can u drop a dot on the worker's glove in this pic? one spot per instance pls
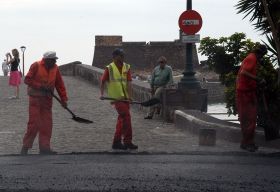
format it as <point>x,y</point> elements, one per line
<point>101,97</point>
<point>153,90</point>
<point>46,89</point>
<point>261,82</point>
<point>170,86</point>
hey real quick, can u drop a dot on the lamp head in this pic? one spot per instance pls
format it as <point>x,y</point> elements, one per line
<point>22,48</point>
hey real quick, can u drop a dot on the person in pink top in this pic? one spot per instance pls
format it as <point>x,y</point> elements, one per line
<point>15,75</point>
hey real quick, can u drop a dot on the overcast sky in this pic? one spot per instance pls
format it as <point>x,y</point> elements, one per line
<point>69,26</point>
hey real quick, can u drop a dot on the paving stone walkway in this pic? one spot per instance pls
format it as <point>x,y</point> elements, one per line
<point>152,136</point>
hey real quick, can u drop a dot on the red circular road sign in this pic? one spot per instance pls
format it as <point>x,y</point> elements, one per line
<point>190,22</point>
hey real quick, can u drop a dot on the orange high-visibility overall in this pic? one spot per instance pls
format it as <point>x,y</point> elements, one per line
<point>40,103</point>
<point>246,99</point>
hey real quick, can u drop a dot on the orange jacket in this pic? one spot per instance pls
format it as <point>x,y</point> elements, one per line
<point>39,76</point>
<point>243,82</point>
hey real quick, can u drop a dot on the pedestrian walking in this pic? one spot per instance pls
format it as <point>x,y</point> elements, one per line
<point>117,77</point>
<point>5,68</point>
<point>246,99</point>
<point>161,78</point>
<point>15,75</point>
<point>42,78</point>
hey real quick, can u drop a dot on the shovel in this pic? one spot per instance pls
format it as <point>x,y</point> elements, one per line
<point>271,132</point>
<point>74,117</point>
<point>147,103</point>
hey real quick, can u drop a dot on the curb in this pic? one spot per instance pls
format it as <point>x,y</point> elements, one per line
<point>194,120</point>
<point>146,153</point>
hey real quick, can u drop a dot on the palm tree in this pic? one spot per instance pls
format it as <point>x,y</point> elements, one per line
<point>266,17</point>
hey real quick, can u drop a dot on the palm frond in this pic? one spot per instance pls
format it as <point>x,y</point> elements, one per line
<point>271,47</point>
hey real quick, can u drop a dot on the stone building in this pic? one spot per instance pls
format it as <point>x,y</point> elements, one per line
<point>141,55</point>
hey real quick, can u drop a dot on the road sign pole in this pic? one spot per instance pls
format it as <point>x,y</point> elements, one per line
<point>189,4</point>
<point>188,80</point>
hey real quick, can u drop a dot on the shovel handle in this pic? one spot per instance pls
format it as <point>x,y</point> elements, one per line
<point>264,103</point>
<point>124,100</point>
<point>61,103</point>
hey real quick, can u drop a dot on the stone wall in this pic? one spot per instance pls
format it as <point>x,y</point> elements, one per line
<point>141,55</point>
<point>141,89</point>
<point>216,91</point>
<point>108,40</point>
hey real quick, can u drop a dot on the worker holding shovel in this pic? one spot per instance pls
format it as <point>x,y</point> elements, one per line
<point>246,99</point>
<point>42,78</point>
<point>117,76</point>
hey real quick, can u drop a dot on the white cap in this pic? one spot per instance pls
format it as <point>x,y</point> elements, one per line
<point>50,55</point>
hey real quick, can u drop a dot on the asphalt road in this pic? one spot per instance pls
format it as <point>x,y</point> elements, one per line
<point>141,172</point>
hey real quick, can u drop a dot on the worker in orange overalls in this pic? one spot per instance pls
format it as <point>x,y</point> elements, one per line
<point>246,99</point>
<point>117,77</point>
<point>42,78</point>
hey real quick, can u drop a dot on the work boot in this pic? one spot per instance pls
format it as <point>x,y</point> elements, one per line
<point>252,148</point>
<point>243,146</point>
<point>47,152</point>
<point>24,151</point>
<point>118,145</point>
<point>249,147</point>
<point>130,146</point>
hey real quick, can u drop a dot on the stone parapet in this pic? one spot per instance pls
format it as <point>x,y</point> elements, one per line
<point>141,90</point>
<point>194,120</point>
<point>69,69</point>
<point>183,99</point>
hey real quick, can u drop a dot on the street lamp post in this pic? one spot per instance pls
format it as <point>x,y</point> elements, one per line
<point>189,93</point>
<point>188,80</point>
<point>23,50</point>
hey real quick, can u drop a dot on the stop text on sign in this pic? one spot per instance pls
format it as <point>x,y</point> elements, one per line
<point>190,22</point>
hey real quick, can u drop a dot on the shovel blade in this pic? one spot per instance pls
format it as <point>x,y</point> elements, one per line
<point>150,102</point>
<point>81,120</point>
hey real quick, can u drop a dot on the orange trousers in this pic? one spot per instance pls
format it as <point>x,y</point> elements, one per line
<point>123,127</point>
<point>247,114</point>
<point>40,121</point>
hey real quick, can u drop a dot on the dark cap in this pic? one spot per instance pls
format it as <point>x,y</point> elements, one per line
<point>117,52</point>
<point>262,49</point>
